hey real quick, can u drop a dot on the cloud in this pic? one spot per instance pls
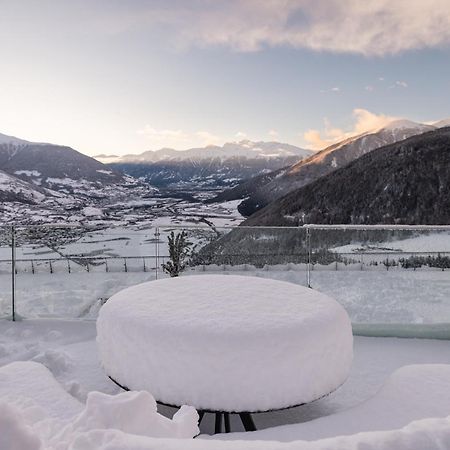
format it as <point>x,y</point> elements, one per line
<point>240,135</point>
<point>364,121</point>
<point>163,135</point>
<point>369,27</point>
<point>208,138</point>
<point>333,89</point>
<point>273,134</point>
<point>178,138</point>
<point>399,84</point>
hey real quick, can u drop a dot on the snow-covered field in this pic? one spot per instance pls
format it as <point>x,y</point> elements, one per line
<point>68,350</point>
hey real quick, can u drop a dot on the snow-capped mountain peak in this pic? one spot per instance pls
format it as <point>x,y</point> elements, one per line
<point>242,149</point>
<point>5,139</point>
<point>404,124</point>
<point>442,123</point>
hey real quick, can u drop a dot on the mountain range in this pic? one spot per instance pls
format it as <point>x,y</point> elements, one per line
<point>291,186</point>
<point>407,182</point>
<point>242,149</point>
<point>211,166</point>
<point>31,171</point>
<point>258,192</point>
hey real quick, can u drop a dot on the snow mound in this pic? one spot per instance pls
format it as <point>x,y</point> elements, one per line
<point>22,382</point>
<point>15,434</point>
<point>228,343</point>
<point>56,361</point>
<point>135,413</point>
<point>35,410</point>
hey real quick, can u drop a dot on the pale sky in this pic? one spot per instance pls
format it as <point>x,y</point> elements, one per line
<point>116,76</point>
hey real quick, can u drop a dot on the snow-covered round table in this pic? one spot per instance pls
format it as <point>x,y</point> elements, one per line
<point>225,343</point>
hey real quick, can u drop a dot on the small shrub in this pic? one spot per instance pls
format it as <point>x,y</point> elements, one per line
<point>179,250</point>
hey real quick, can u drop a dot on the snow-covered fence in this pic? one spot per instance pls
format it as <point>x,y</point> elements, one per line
<point>77,264</point>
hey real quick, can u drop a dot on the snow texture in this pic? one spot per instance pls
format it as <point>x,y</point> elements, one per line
<point>21,381</point>
<point>92,211</point>
<point>429,434</point>
<point>35,409</point>
<point>15,433</point>
<point>135,413</point>
<point>410,393</point>
<point>28,173</point>
<point>74,341</point>
<point>226,343</point>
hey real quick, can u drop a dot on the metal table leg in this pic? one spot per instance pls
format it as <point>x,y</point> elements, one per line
<point>247,421</point>
<point>218,425</point>
<point>227,422</point>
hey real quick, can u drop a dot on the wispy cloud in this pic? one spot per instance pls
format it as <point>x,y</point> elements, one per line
<point>369,27</point>
<point>364,121</point>
<point>208,138</point>
<point>333,89</point>
<point>402,84</point>
<point>399,84</point>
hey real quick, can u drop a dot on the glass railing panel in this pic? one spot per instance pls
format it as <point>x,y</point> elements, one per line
<point>381,275</point>
<point>385,275</point>
<point>269,252</point>
<point>70,271</point>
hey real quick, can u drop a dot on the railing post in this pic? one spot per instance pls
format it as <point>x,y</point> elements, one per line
<point>308,244</point>
<point>13,273</point>
<point>156,251</point>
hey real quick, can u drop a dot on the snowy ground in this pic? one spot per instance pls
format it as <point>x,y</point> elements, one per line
<point>432,242</point>
<point>69,350</point>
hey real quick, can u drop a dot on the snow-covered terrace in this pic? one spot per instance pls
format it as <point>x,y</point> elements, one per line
<point>393,406</point>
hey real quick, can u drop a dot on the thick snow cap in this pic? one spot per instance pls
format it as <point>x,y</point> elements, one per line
<point>226,343</point>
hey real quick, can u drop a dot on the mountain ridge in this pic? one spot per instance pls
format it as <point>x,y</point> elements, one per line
<point>321,163</point>
<point>244,148</point>
<point>407,182</point>
<point>209,167</point>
